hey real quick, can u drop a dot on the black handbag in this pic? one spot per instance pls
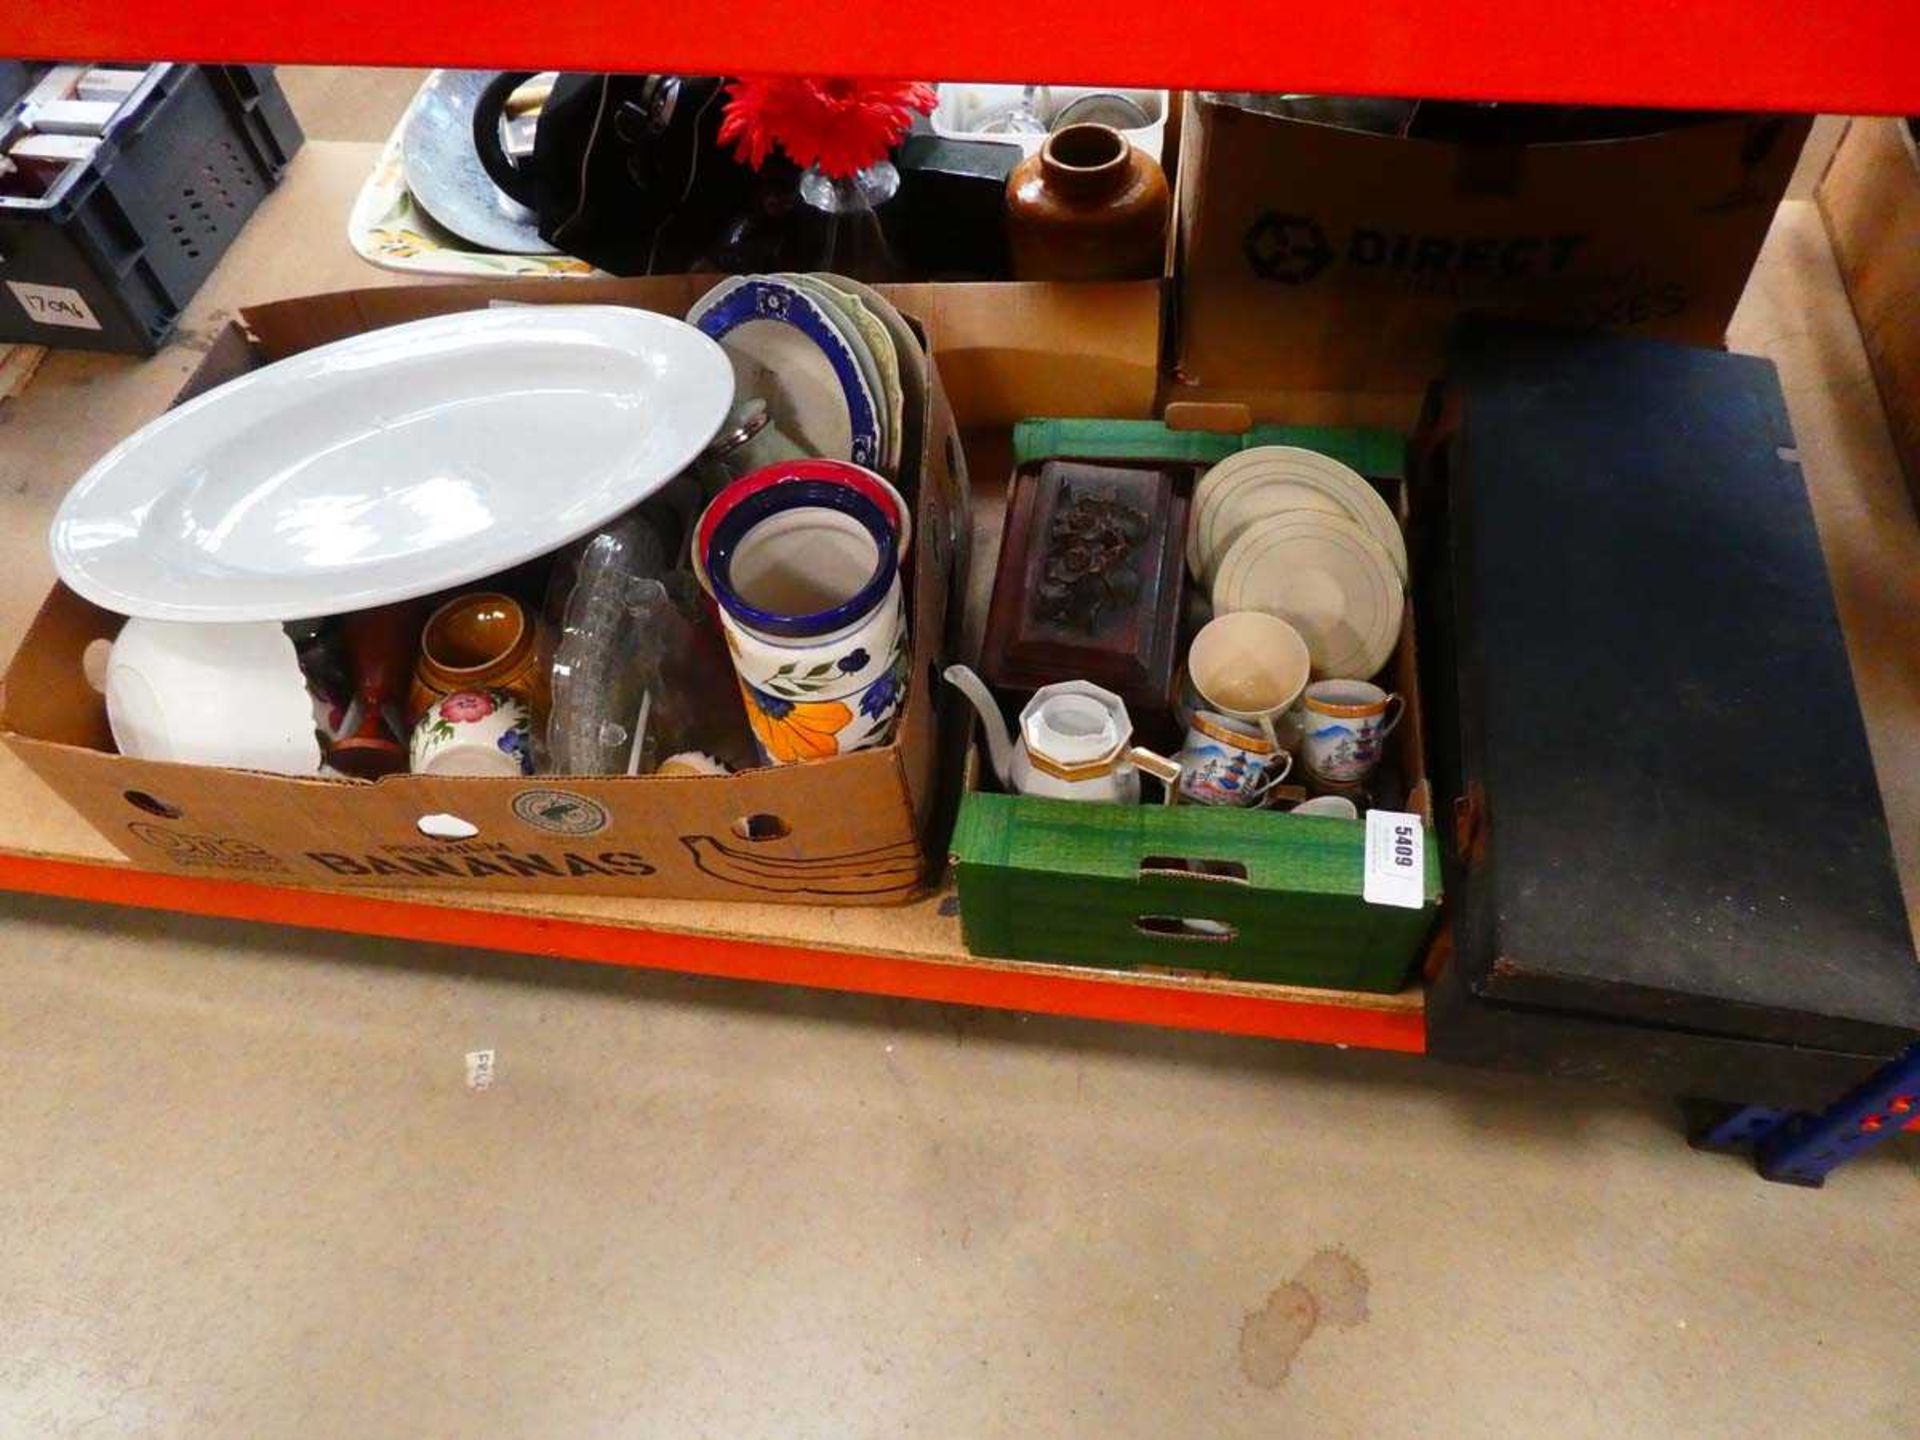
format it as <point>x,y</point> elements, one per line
<point>626,171</point>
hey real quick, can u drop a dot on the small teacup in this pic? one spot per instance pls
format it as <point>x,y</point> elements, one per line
<point>1343,724</point>
<point>1228,761</point>
<point>473,732</point>
<point>1249,666</point>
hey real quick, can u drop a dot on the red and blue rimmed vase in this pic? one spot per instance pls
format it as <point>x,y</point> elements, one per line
<point>806,574</point>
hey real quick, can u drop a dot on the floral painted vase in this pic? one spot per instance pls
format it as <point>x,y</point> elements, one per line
<point>809,716</point>
<point>816,626</point>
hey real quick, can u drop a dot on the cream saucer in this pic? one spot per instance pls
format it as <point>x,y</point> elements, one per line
<point>1326,577</point>
<point>1273,479</point>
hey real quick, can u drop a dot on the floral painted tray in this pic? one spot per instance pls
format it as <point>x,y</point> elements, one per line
<point>388,228</point>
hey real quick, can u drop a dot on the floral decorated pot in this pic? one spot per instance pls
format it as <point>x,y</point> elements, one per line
<point>474,732</point>
<point>808,583</point>
<point>792,472</point>
<point>801,561</point>
<point>853,704</point>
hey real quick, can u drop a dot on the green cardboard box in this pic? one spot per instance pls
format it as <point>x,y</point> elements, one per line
<point>1253,895</point>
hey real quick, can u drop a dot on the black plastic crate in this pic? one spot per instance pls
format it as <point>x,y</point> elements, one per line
<point>109,257</point>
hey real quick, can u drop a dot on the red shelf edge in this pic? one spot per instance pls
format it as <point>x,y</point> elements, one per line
<point>1839,56</point>
<point>1091,996</point>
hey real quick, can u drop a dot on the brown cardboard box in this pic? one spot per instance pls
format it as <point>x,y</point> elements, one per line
<point>1870,200</point>
<point>999,345</point>
<point>1315,258</point>
<point>847,831</point>
<point>1008,351</point>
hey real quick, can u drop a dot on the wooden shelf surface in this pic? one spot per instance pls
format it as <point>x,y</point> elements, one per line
<point>80,404</point>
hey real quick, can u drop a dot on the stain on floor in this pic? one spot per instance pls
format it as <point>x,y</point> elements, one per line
<point>1338,1285</point>
<point>1272,1335</point>
<point>1331,1287</point>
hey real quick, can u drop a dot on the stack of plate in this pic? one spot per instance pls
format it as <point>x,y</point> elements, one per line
<point>1299,535</point>
<point>827,356</point>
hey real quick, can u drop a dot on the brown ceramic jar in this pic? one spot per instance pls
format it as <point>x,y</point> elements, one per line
<point>477,642</point>
<point>1088,206</point>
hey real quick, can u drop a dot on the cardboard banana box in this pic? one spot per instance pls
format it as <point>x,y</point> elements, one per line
<point>847,831</point>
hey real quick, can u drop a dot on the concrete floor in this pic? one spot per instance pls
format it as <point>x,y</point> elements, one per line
<point>252,1193</point>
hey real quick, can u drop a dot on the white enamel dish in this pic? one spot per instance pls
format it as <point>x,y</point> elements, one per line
<point>392,464</point>
<point>211,695</point>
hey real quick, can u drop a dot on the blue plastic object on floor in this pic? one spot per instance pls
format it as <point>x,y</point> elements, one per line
<point>1806,1149</point>
<point>1795,1148</point>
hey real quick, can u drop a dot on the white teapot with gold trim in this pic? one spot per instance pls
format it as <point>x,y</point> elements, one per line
<point>1075,743</point>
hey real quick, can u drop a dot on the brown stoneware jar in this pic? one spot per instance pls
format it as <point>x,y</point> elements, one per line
<point>1088,206</point>
<point>477,642</point>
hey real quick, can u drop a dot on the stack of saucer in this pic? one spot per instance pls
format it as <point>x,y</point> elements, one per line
<point>1296,534</point>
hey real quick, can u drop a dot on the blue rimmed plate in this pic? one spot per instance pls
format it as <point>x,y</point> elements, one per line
<point>786,350</point>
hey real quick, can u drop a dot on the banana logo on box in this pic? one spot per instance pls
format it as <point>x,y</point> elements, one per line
<point>884,870</point>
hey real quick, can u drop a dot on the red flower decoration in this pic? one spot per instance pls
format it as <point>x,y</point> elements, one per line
<point>466,706</point>
<point>843,126</point>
